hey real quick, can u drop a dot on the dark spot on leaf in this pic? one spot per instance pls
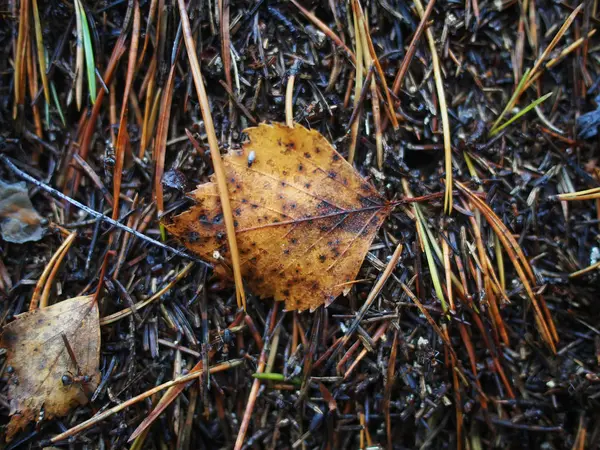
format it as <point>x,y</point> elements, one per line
<point>238,211</point>
<point>244,200</point>
<point>332,174</point>
<point>336,157</point>
<point>307,155</point>
<point>322,258</point>
<point>300,167</point>
<point>254,206</point>
<point>218,218</point>
<point>293,240</point>
<point>286,252</point>
<point>286,293</point>
<point>317,150</point>
<point>307,185</point>
<point>193,236</point>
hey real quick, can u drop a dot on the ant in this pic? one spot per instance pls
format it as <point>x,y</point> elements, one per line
<point>68,379</point>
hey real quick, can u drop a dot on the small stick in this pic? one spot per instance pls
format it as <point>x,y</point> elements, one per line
<point>25,176</point>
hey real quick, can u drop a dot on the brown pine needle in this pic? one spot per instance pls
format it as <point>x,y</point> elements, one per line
<point>262,362</point>
<point>89,127</point>
<point>387,393</point>
<point>358,80</point>
<point>439,84</point>
<point>225,41</point>
<point>149,19</point>
<point>132,401</point>
<point>520,263</point>
<point>123,136</point>
<point>412,48</point>
<point>371,48</point>
<point>48,288</point>
<point>325,29</point>
<point>362,34</point>
<point>214,153</point>
<point>21,50</point>
<point>48,270</point>
<point>160,141</point>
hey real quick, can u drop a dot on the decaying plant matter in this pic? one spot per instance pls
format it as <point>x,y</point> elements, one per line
<point>470,132</point>
<point>304,218</point>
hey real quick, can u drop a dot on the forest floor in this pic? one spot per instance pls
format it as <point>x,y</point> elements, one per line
<point>474,319</point>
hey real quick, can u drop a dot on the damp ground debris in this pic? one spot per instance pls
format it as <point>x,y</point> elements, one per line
<point>473,321</point>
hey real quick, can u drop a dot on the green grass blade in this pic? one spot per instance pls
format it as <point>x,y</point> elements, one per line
<point>512,100</point>
<point>89,54</point>
<point>57,102</point>
<point>435,277</point>
<point>521,113</point>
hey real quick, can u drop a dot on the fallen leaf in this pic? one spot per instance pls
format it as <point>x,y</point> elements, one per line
<point>19,221</point>
<point>38,359</point>
<point>304,218</point>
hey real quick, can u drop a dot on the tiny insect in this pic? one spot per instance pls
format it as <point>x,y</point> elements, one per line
<point>109,158</point>
<point>69,379</point>
<point>251,158</point>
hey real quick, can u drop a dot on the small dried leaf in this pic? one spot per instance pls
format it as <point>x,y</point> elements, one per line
<point>38,357</point>
<point>304,217</point>
<point>19,221</point>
